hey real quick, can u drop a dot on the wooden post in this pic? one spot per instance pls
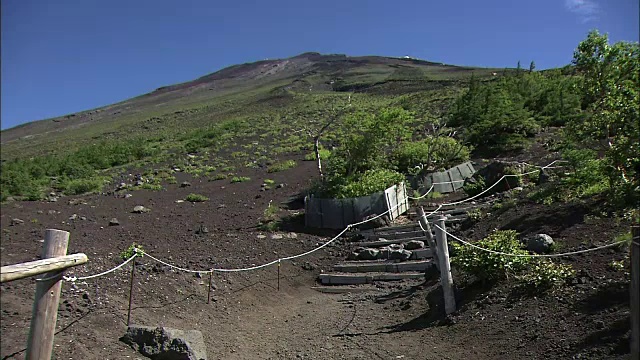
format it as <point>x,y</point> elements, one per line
<point>445,267</point>
<point>635,292</point>
<point>432,243</point>
<point>133,272</point>
<point>45,304</point>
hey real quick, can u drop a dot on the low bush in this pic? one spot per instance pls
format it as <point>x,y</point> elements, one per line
<point>237,179</point>
<point>196,198</point>
<point>289,164</point>
<point>544,274</point>
<point>83,186</point>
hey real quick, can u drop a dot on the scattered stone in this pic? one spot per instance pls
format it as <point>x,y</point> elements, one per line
<point>185,184</point>
<point>179,201</point>
<point>83,218</point>
<point>292,235</point>
<point>202,230</point>
<point>308,266</point>
<point>114,222</point>
<point>276,236</point>
<point>139,183</point>
<point>392,252</point>
<point>280,186</point>
<point>16,221</point>
<point>10,199</point>
<point>414,244</point>
<point>368,254</point>
<point>599,324</point>
<point>518,188</point>
<point>52,199</point>
<point>73,217</point>
<point>122,186</point>
<point>540,243</point>
<point>166,343</point>
<point>52,212</point>
<point>260,236</point>
<point>126,196</point>
<point>140,209</point>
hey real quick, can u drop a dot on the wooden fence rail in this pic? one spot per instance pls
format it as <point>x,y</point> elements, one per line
<point>32,268</point>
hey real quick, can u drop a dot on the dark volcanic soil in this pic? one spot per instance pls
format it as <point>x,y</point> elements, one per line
<point>249,318</point>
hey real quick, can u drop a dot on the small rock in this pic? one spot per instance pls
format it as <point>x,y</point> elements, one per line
<point>276,236</point>
<point>202,230</point>
<point>518,188</point>
<point>73,217</point>
<point>414,244</point>
<point>540,243</point>
<point>53,199</point>
<point>368,254</point>
<point>52,212</point>
<point>179,201</point>
<point>292,235</point>
<point>166,343</point>
<point>83,218</point>
<point>280,186</point>
<point>126,196</point>
<point>140,209</point>
<point>139,183</point>
<point>114,222</point>
<point>260,236</point>
<point>185,184</point>
<point>308,266</point>
<point>16,221</point>
<point>599,324</point>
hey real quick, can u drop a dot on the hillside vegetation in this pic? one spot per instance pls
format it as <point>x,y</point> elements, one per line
<point>399,117</point>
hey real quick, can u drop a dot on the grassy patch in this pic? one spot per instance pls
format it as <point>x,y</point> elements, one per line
<point>285,165</point>
<point>237,179</point>
<point>196,198</point>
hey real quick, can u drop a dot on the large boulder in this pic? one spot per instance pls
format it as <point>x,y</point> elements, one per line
<point>540,243</point>
<point>161,343</point>
<point>494,171</point>
<point>368,254</point>
<point>392,252</point>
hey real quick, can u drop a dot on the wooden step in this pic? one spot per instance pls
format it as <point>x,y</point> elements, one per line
<point>380,243</point>
<point>366,278</point>
<point>345,289</point>
<point>382,266</point>
<point>398,235</point>
<point>421,254</point>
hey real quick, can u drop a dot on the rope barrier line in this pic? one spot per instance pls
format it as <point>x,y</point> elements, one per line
<point>73,278</point>
<point>490,187</point>
<point>530,255</point>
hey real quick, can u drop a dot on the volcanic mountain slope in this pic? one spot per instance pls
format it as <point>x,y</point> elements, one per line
<point>245,89</point>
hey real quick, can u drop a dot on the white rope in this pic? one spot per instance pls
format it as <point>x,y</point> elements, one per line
<point>175,267</point>
<point>490,187</point>
<point>57,275</point>
<point>530,255</point>
<point>73,278</point>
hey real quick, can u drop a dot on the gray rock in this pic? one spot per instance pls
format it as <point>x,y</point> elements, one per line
<point>309,266</point>
<point>540,243</point>
<point>368,254</point>
<point>414,244</point>
<point>114,222</point>
<point>73,217</point>
<point>16,221</point>
<point>161,343</point>
<point>292,235</point>
<point>276,236</point>
<point>140,209</point>
<point>202,230</point>
<point>139,183</point>
<point>126,196</point>
<point>394,252</point>
<point>280,186</point>
<point>185,184</point>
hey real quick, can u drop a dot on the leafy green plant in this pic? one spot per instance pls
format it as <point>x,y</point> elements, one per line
<point>475,188</point>
<point>269,221</point>
<point>285,165</point>
<point>196,198</point>
<point>544,274</point>
<point>130,251</point>
<point>218,177</point>
<point>151,186</point>
<point>237,179</point>
<point>371,181</point>
<point>83,186</point>
<point>488,266</point>
<point>475,214</point>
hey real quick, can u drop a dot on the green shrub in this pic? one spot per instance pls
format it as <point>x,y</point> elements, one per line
<point>430,153</point>
<point>475,214</point>
<point>544,274</point>
<point>269,181</point>
<point>282,166</point>
<point>218,177</point>
<point>370,182</point>
<point>237,179</point>
<point>128,252</point>
<point>196,198</point>
<point>488,266</point>
<point>83,186</point>
<point>324,153</point>
<point>473,189</point>
<point>151,186</point>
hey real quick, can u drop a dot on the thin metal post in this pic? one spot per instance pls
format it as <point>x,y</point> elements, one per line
<point>209,291</point>
<point>278,275</point>
<point>133,271</point>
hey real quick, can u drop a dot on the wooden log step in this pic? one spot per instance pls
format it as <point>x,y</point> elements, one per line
<point>382,266</point>
<point>366,278</point>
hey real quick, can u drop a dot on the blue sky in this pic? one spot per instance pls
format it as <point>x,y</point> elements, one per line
<point>71,55</point>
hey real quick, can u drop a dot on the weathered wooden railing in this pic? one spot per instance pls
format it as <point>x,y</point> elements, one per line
<point>45,305</point>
